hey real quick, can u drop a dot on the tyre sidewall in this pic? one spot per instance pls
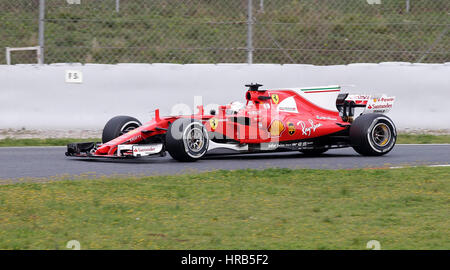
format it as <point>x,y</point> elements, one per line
<point>116,126</point>
<point>388,147</point>
<point>176,141</point>
<point>361,134</point>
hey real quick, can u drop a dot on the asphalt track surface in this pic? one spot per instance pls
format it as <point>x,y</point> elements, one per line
<point>45,162</point>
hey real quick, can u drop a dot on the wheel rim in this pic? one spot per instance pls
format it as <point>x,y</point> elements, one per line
<point>128,127</point>
<point>381,134</point>
<point>194,140</point>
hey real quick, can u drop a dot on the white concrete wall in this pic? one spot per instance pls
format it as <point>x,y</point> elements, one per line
<point>33,96</point>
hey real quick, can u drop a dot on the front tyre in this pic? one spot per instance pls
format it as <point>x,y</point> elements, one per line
<point>373,134</point>
<point>187,140</point>
<point>118,126</point>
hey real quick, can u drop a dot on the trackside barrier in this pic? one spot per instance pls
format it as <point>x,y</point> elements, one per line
<point>55,97</point>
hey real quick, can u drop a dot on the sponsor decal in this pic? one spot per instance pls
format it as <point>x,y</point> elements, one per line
<point>293,145</point>
<point>276,128</point>
<point>275,98</point>
<point>287,109</point>
<point>308,129</point>
<point>325,118</point>
<point>386,99</point>
<point>358,99</point>
<point>272,146</point>
<point>380,104</point>
<point>288,105</point>
<point>145,149</point>
<point>291,128</point>
<point>213,122</point>
<point>135,138</point>
<point>383,106</point>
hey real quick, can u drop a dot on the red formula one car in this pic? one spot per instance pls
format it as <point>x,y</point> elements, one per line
<point>310,120</point>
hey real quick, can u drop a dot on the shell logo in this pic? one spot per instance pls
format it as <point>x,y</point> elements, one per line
<point>276,128</point>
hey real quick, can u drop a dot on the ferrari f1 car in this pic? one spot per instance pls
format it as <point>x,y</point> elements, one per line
<point>310,120</point>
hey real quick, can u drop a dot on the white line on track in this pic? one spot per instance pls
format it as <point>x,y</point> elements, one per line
<point>431,166</point>
<point>422,144</point>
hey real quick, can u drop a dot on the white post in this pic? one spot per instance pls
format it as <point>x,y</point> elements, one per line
<point>40,57</point>
<point>9,50</point>
<point>117,6</point>
<point>407,6</point>
<point>250,32</point>
<point>8,56</point>
<point>41,30</point>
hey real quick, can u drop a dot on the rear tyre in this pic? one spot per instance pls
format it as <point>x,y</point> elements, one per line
<point>313,152</point>
<point>373,134</point>
<point>118,126</point>
<point>187,140</point>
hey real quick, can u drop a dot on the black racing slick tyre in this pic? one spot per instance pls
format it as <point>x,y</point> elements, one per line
<point>373,134</point>
<point>118,126</point>
<point>187,140</point>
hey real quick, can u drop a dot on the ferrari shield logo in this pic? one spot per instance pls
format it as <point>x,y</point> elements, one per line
<point>291,128</point>
<point>213,122</point>
<point>275,98</point>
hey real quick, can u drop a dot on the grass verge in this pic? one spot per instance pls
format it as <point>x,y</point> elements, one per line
<point>402,138</point>
<point>244,209</point>
<point>8,142</point>
<point>422,138</point>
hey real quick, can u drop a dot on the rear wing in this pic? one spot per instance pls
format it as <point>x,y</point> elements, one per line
<point>372,103</point>
<point>346,104</point>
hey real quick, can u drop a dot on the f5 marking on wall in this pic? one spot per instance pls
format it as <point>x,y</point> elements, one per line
<point>74,76</point>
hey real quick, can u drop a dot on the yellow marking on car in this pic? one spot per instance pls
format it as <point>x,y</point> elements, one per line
<point>275,98</point>
<point>213,122</point>
<point>276,128</point>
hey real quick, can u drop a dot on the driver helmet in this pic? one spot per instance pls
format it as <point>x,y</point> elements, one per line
<point>236,106</point>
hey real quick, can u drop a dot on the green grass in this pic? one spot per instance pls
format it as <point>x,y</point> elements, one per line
<point>422,138</point>
<point>246,209</point>
<point>402,138</point>
<point>8,142</point>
